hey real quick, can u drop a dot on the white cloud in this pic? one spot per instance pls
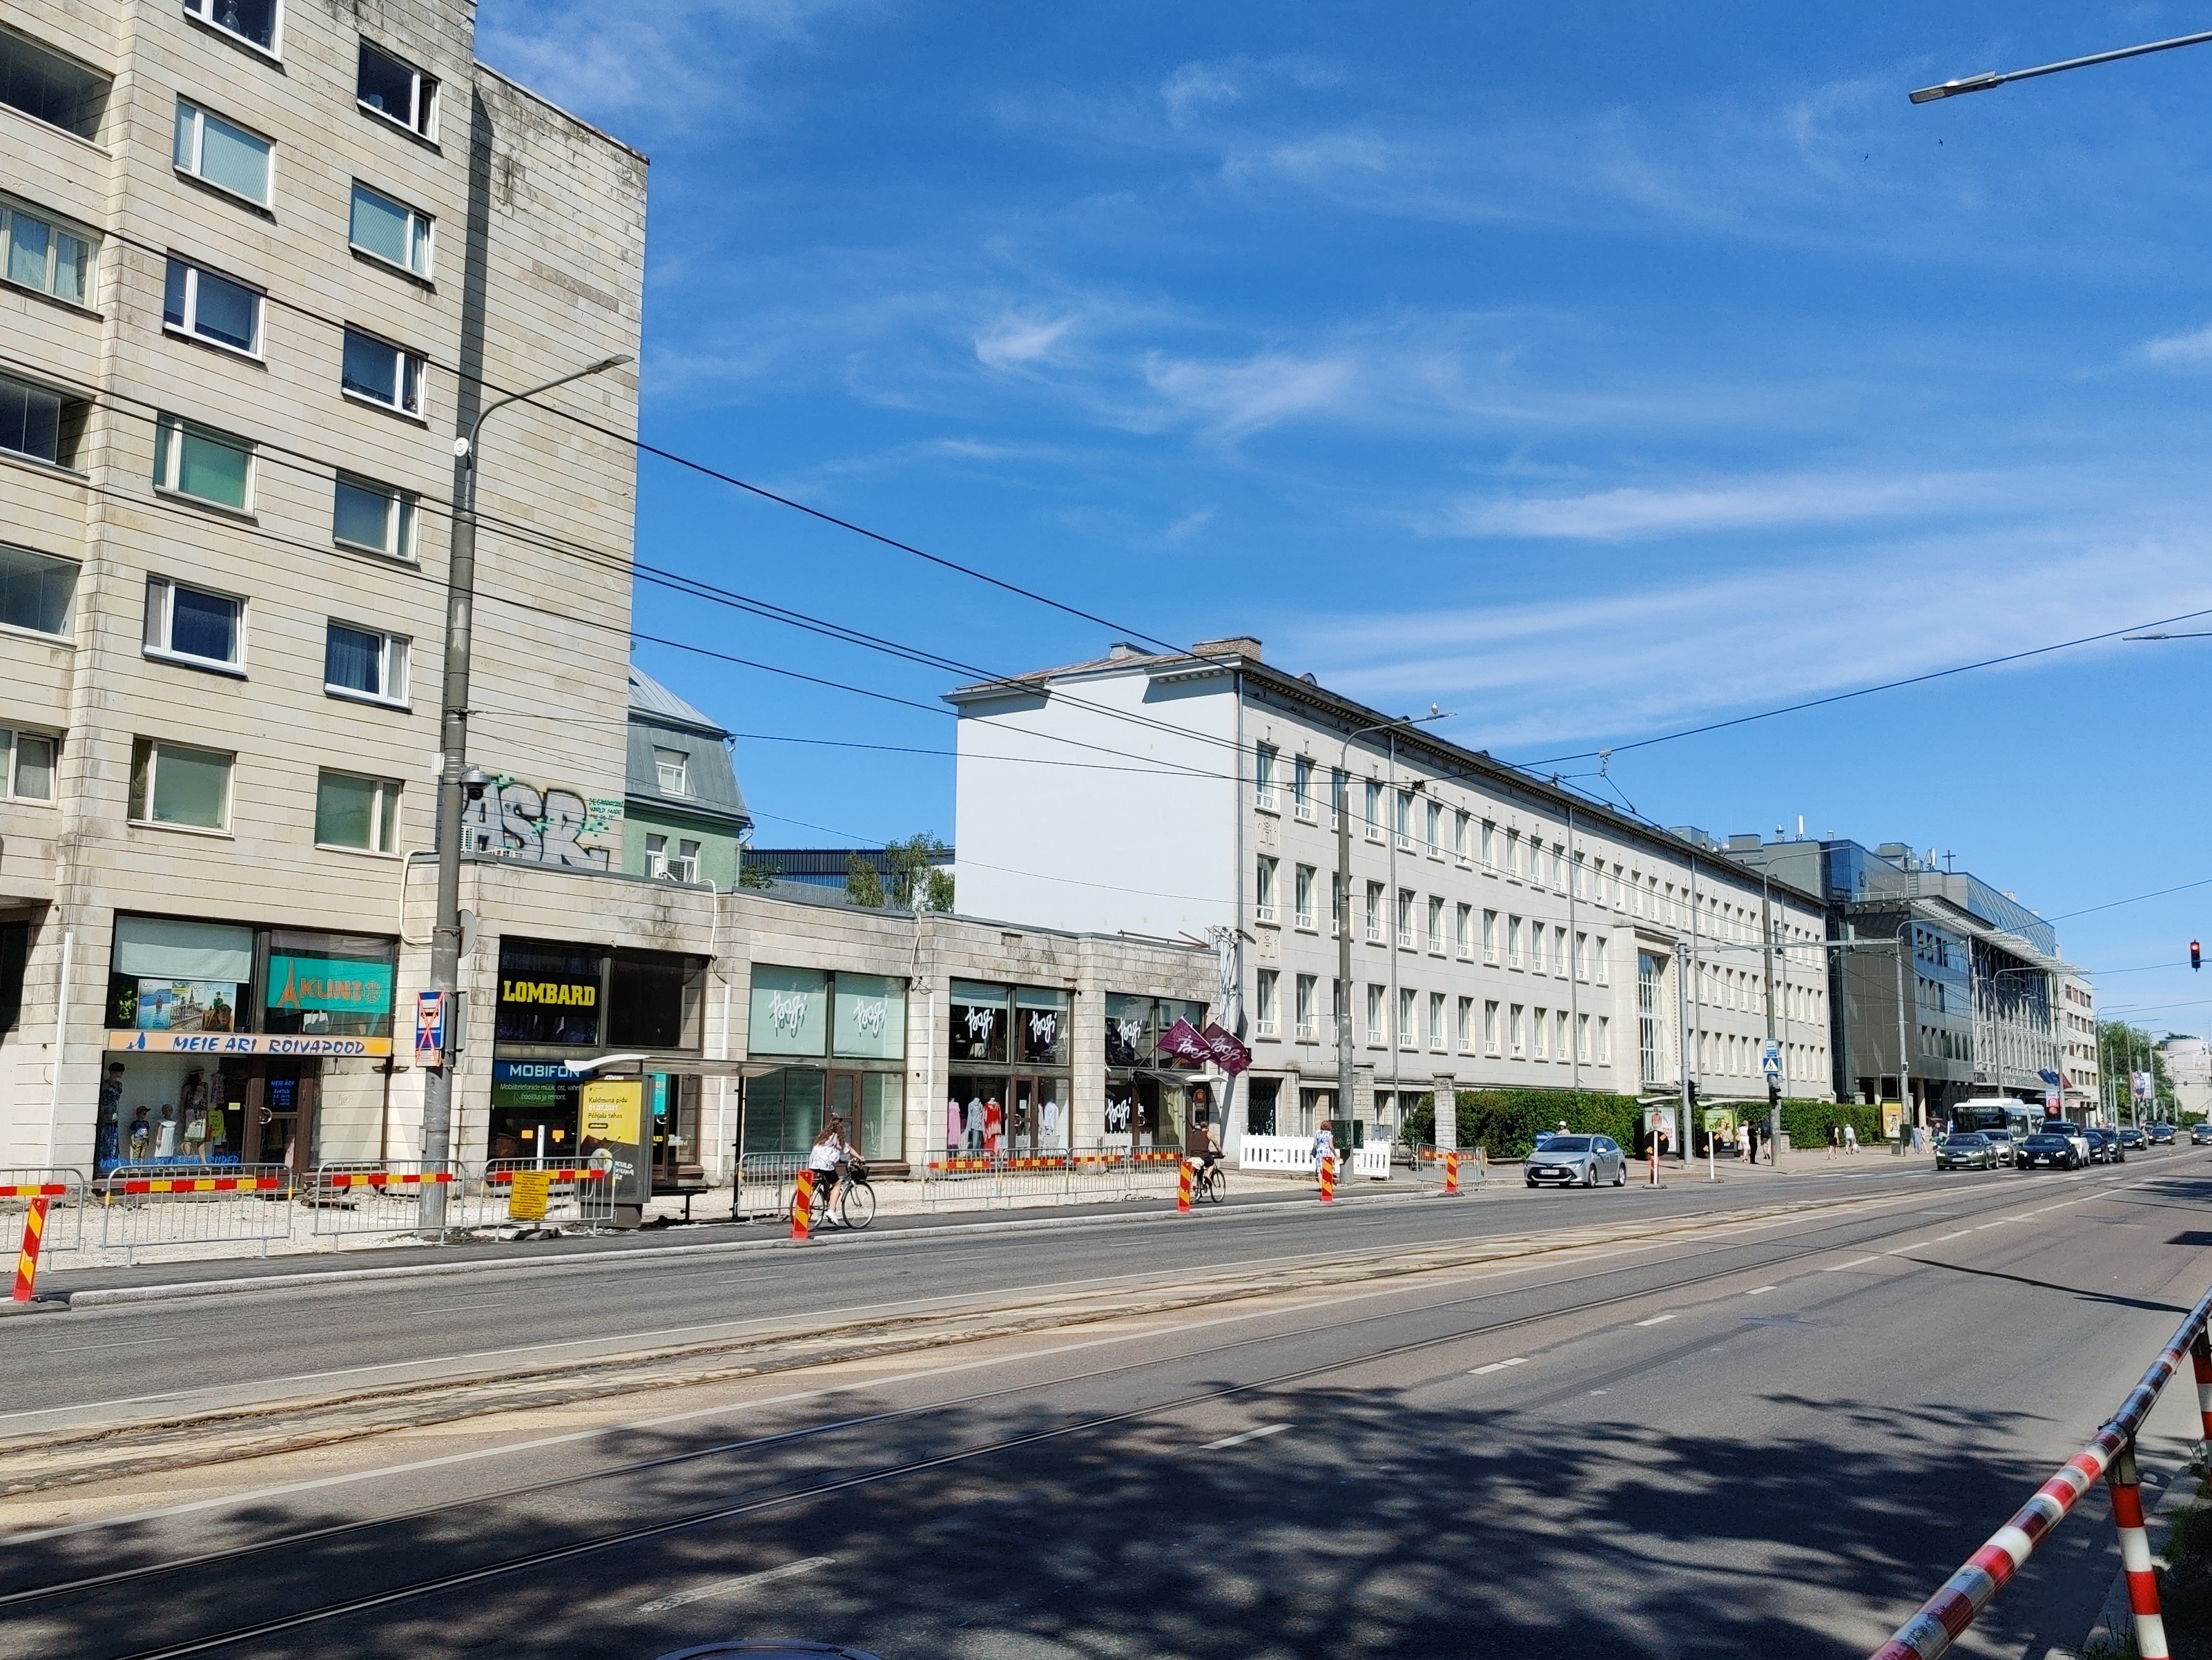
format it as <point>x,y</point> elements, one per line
<point>2191,346</point>
<point>1230,399</point>
<point>1196,89</point>
<point>1632,513</point>
<point>1014,342</point>
<point>1189,524</point>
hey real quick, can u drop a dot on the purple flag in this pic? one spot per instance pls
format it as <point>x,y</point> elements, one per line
<point>1225,1047</point>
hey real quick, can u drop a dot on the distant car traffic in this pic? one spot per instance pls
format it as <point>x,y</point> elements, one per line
<point>1579,1161</point>
<point>2132,1138</point>
<point>2073,1133</point>
<point>2162,1135</point>
<point>2048,1150</point>
<point>1972,1151</point>
<point>2004,1144</point>
<point>2200,1134</point>
<point>2105,1147</point>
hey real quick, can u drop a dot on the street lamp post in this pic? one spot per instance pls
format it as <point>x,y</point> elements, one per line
<point>1990,79</point>
<point>453,760</point>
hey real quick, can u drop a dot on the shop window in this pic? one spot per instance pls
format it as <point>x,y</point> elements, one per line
<point>192,626</point>
<point>380,373</point>
<point>172,784</point>
<point>38,252</point>
<point>365,664</point>
<point>549,993</point>
<point>653,1000</point>
<point>211,466</point>
<point>215,152</point>
<point>783,1108</point>
<point>978,1018</point>
<point>253,21</point>
<point>205,306</point>
<point>1130,1030</point>
<point>789,1011</point>
<point>39,424</point>
<point>330,984</point>
<point>36,590</point>
<point>169,974</point>
<point>869,1019</point>
<point>49,87</point>
<point>390,231</point>
<point>373,516</point>
<point>356,812</point>
<point>395,89</point>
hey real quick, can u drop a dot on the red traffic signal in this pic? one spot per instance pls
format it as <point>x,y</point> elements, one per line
<point>2196,955</point>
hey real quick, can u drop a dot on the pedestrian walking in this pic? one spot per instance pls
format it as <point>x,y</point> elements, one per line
<point>1850,1138</point>
<point>1743,1142</point>
<point>1751,1140</point>
<point>1324,1148</point>
<point>1835,1138</point>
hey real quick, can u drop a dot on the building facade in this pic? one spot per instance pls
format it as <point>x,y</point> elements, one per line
<point>264,260</point>
<point>1504,932</point>
<point>684,815</point>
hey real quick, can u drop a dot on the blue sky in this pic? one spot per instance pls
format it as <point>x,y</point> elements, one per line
<point>1594,371</point>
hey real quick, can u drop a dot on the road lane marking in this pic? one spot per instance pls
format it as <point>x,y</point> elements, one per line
<point>1901,1250</point>
<point>1962,1234</point>
<point>1248,1435</point>
<point>1758,1290</point>
<point>1655,1320</point>
<point>725,1587</point>
<point>1856,1262</point>
<point>1499,1365</point>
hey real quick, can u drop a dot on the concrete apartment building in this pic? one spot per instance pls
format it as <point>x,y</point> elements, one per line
<point>1506,931</point>
<point>263,260</point>
<point>2079,1064</point>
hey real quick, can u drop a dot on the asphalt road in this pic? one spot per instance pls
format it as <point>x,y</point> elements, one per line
<point>1774,1441</point>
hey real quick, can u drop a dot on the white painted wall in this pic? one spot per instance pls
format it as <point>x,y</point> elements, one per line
<point>1133,826</point>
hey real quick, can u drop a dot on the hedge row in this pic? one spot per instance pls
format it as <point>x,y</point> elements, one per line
<point>1505,1121</point>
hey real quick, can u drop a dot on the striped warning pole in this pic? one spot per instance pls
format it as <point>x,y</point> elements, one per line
<point>2135,1554</point>
<point>802,1208</point>
<point>1328,1178</point>
<point>1183,1188</point>
<point>2200,1353</point>
<point>26,1260</point>
<point>1451,1172</point>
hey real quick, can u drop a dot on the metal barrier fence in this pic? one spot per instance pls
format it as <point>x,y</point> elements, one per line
<point>145,1207</point>
<point>372,1196</point>
<point>765,1181</point>
<point>1085,1175</point>
<point>576,1195</point>
<point>63,1191</point>
<point>2109,1455</point>
<point>1429,1167</point>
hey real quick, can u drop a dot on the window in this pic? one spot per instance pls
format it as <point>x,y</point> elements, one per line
<point>215,152</point>
<point>1374,811</point>
<point>365,663</point>
<point>1308,1027</point>
<point>1463,931</point>
<point>374,516</point>
<point>1375,912</point>
<point>1436,923</point>
<point>1301,786</point>
<point>251,21</point>
<point>1375,1034</point>
<point>1263,774</point>
<point>27,765</point>
<point>671,772</point>
<point>390,231</point>
<point>1403,824</point>
<point>396,91</point>
<point>1407,1001</point>
<point>1339,785</point>
<point>382,372</point>
<point>1465,1031</point>
<point>1303,895</point>
<point>202,629</point>
<point>1336,906</point>
<point>1578,887</point>
<point>206,306</point>
<point>682,865</point>
<point>1489,1027</point>
<point>1535,947</point>
<point>38,253</point>
<point>1582,1037</point>
<point>1263,893</point>
<point>1435,827</point>
<point>39,424</point>
<point>1514,1021</point>
<point>1268,978</point>
<point>1512,942</point>
<point>361,813</point>
<point>1458,833</point>
<point>1489,843</point>
<point>1513,853</point>
<point>1559,865</point>
<point>170,784</point>
<point>1560,953</point>
<point>1405,918</point>
<point>49,87</point>
<point>1539,1025</point>
<point>1490,938</point>
<point>1604,1041</point>
<point>1559,1033</point>
<point>1436,1019</point>
<point>36,590</point>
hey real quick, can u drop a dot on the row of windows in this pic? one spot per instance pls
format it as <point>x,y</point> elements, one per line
<point>206,305</point>
<point>185,788</point>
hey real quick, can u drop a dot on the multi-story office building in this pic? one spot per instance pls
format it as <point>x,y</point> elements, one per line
<point>1976,998</point>
<point>1504,930</point>
<point>2079,1065</point>
<point>260,261</point>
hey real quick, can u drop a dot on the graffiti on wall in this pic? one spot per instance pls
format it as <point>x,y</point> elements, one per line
<point>555,826</point>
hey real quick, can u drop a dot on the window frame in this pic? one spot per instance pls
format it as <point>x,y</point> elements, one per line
<point>12,739</point>
<point>202,13</point>
<point>400,516</point>
<point>1264,999</point>
<point>13,208</point>
<point>423,94</point>
<point>383,814</point>
<point>681,787</point>
<point>422,233</point>
<point>234,666</point>
<point>195,170</point>
<point>169,433</point>
<point>186,327</point>
<point>70,412</point>
<point>149,750</point>
<point>68,629</point>
<point>413,374</point>
<point>1302,893</point>
<point>392,648</point>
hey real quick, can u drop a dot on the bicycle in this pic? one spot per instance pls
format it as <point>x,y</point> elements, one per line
<point>1208,1184</point>
<point>855,1201</point>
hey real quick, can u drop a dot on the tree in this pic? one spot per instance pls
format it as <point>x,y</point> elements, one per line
<point>758,876</point>
<point>916,884</point>
<point>863,885</point>
<point>2123,1050</point>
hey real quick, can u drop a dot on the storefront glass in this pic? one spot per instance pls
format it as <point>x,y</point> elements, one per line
<point>655,1001</point>
<point>1008,1094</point>
<point>332,983</point>
<point>534,1105</point>
<point>1148,1095</point>
<point>789,1010</point>
<point>549,993</point>
<point>978,1022</point>
<point>168,974</point>
<point>870,1020</point>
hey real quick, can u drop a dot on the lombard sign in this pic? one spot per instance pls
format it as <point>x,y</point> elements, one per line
<point>542,825</point>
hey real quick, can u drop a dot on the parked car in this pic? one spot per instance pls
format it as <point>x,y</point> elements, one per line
<point>2132,1138</point>
<point>2162,1135</point>
<point>2048,1150</point>
<point>1582,1161</point>
<point>2200,1134</point>
<point>1968,1150</point>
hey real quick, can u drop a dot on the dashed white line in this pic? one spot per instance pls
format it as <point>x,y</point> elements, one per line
<point>724,1587</point>
<point>1758,1290</point>
<point>1499,1365</point>
<point>1248,1435</point>
<point>1962,1234</point>
<point>1655,1320</point>
<point>1856,1262</point>
<point>1900,1249</point>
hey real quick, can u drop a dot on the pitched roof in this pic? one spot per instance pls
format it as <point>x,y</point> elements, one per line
<point>647,696</point>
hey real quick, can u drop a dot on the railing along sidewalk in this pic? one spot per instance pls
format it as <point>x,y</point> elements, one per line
<point>62,1189</point>
<point>146,1207</point>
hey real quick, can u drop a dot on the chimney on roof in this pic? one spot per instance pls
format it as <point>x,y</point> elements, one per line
<point>1122,648</point>
<point>1239,645</point>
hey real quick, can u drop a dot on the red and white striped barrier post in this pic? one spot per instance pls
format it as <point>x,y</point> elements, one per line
<point>802,1208</point>
<point>26,1260</point>
<point>1328,1178</point>
<point>2135,1554</point>
<point>2200,1355</point>
<point>1183,1188</point>
<point>1451,1172</point>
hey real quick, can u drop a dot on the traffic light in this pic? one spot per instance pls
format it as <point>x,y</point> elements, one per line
<point>2196,955</point>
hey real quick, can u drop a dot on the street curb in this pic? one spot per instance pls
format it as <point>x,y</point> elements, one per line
<point>38,1305</point>
<point>116,1295</point>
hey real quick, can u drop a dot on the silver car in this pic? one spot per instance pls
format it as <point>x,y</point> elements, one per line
<point>1578,1161</point>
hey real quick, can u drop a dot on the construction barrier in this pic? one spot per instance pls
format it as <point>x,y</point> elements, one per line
<point>802,1207</point>
<point>2109,1456</point>
<point>27,1257</point>
<point>1451,1172</point>
<point>1449,1169</point>
<point>575,1196</point>
<point>147,1206</point>
<point>63,1191</point>
<point>1372,1161</point>
<point>1087,1175</point>
<point>765,1181</point>
<point>1327,1174</point>
<point>384,1197</point>
<point>1183,1188</point>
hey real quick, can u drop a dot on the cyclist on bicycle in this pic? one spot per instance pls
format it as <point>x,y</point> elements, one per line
<point>829,1160</point>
